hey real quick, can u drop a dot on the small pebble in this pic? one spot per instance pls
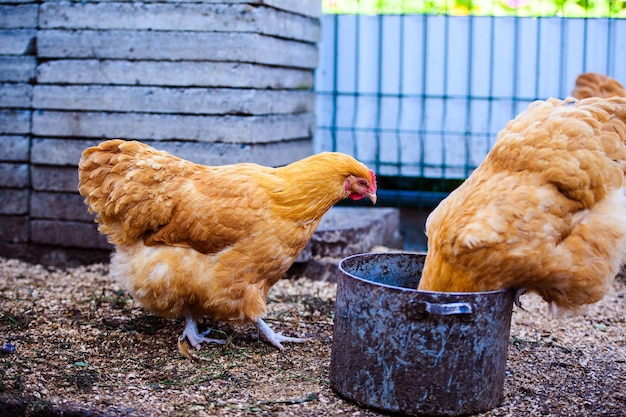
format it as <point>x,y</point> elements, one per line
<point>8,348</point>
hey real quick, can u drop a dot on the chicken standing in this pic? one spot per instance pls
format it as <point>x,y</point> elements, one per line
<point>544,212</point>
<point>193,240</point>
<point>593,84</point>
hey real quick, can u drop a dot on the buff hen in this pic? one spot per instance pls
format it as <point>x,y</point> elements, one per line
<point>544,212</point>
<point>193,240</point>
<point>592,84</point>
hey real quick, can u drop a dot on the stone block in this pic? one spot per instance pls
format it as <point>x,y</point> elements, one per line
<point>53,178</point>
<point>16,95</point>
<point>18,16</point>
<point>13,229</point>
<point>180,73</point>
<point>175,46</point>
<point>14,175</point>
<point>14,148</point>
<point>17,69</point>
<point>15,122</point>
<point>17,41</point>
<point>19,250</point>
<point>142,126</point>
<point>198,17</point>
<point>59,206</point>
<point>312,8</point>
<point>63,152</point>
<point>218,101</point>
<point>20,1</point>
<point>13,202</point>
<point>67,234</point>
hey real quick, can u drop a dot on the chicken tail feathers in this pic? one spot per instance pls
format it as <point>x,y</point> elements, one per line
<point>128,185</point>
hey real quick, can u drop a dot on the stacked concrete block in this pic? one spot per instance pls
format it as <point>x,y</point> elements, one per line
<point>214,81</point>
<point>18,28</point>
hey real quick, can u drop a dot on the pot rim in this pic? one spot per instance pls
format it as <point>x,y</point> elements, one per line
<point>407,289</point>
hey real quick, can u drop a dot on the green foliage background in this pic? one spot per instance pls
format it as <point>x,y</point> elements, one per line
<point>528,8</point>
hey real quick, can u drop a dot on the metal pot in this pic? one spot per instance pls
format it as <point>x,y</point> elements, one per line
<point>401,350</point>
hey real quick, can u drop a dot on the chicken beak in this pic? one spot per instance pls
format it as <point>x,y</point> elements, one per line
<point>372,196</point>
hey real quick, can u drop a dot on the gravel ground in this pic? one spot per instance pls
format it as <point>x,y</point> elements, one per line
<point>83,348</point>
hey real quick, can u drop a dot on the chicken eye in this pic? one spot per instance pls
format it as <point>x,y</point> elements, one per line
<point>362,183</point>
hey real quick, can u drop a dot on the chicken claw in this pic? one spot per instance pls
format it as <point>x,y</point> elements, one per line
<point>276,338</point>
<point>196,339</point>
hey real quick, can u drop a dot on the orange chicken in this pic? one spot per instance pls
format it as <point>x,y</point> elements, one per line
<point>592,84</point>
<point>193,240</point>
<point>545,211</point>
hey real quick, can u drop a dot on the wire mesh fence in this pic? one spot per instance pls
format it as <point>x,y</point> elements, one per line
<point>421,97</point>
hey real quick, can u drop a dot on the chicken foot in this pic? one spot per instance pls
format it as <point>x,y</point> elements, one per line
<point>274,338</point>
<point>196,339</point>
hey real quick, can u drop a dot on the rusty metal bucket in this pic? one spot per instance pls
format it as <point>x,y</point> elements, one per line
<point>405,351</point>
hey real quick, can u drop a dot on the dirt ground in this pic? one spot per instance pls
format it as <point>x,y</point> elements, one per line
<point>84,348</point>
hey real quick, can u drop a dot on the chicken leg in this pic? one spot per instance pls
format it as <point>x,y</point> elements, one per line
<point>196,339</point>
<point>274,338</point>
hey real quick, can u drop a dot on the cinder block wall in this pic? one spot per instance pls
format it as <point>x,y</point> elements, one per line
<point>213,82</point>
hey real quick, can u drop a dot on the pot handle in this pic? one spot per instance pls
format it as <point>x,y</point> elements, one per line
<point>419,310</point>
